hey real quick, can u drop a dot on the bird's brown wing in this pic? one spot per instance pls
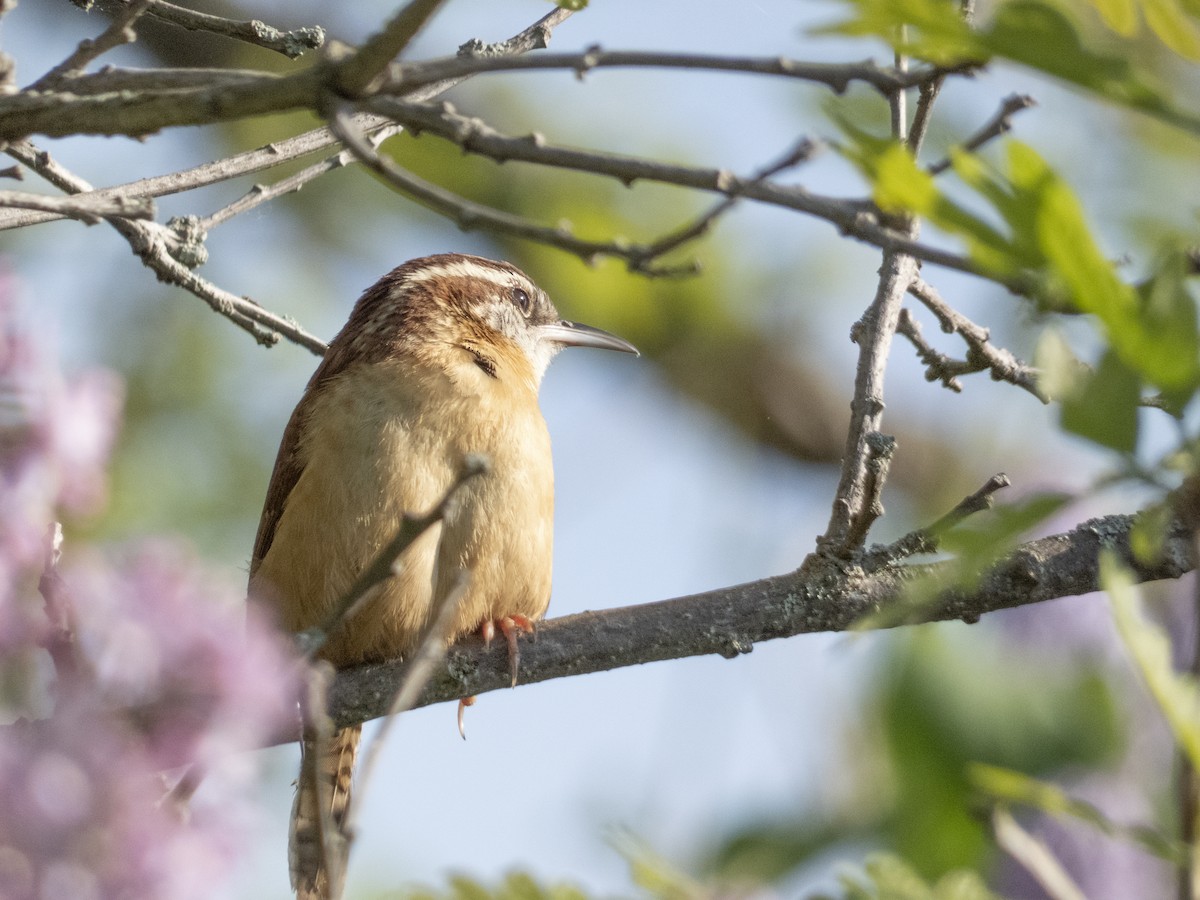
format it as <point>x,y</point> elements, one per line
<point>288,463</point>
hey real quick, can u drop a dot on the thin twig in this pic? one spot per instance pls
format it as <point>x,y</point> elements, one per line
<point>291,43</point>
<point>855,218</point>
<point>919,128</point>
<point>982,354</point>
<point>151,243</point>
<point>836,76</point>
<point>90,210</point>
<point>927,539</point>
<point>120,32</point>
<point>999,124</point>
<point>880,450</point>
<point>1034,856</point>
<point>938,366</point>
<point>534,37</point>
<point>111,79</point>
<point>801,152</point>
<point>354,74</point>
<point>853,502</point>
<point>468,215</point>
<point>382,567</point>
<point>431,648</point>
<point>261,193</point>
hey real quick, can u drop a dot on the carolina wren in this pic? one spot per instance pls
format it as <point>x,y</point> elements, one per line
<point>442,357</point>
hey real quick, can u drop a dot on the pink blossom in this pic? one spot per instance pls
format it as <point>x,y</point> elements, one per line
<point>162,667</point>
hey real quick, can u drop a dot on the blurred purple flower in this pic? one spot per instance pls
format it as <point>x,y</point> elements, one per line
<point>163,668</point>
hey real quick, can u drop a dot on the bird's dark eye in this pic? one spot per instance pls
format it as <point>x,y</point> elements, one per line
<point>521,298</point>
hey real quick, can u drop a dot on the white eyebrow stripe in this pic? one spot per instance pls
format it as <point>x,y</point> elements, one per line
<point>465,268</point>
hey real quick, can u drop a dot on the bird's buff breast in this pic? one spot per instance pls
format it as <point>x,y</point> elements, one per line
<point>384,440</point>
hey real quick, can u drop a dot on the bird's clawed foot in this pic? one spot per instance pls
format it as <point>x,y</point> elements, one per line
<point>511,627</point>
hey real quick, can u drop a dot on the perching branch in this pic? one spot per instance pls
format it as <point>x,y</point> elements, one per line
<point>730,621</point>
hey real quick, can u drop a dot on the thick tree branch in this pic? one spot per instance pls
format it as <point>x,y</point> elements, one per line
<point>730,621</point>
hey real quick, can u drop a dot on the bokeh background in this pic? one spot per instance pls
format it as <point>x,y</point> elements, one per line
<point>711,460</point>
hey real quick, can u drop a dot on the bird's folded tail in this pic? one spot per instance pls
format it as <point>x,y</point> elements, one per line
<point>317,848</point>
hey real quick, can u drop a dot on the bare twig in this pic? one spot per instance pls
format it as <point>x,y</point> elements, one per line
<point>1034,856</point>
<point>836,76</point>
<point>534,37</point>
<point>150,242</point>
<point>855,218</point>
<point>292,43</point>
<point>997,125</point>
<point>927,539</point>
<point>982,354</point>
<point>919,128</point>
<point>431,648</point>
<point>938,366</point>
<point>353,75</point>
<point>873,333</point>
<point>468,215</point>
<point>880,450</point>
<point>260,193</point>
<point>213,172</point>
<point>87,209</point>
<point>799,153</point>
<point>110,79</point>
<point>118,33</point>
<point>382,567</point>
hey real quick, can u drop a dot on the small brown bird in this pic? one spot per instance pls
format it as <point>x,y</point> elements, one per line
<point>441,358</point>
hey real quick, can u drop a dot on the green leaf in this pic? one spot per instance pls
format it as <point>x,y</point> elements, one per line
<point>1177,694</point>
<point>1119,15</point>
<point>1036,34</point>
<point>929,29</point>
<point>981,540</point>
<point>1152,328</point>
<point>888,877</point>
<point>1105,409</point>
<point>1174,27</point>
<point>1060,373</point>
<point>1149,532</point>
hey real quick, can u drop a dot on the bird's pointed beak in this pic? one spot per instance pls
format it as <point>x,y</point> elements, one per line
<point>575,334</point>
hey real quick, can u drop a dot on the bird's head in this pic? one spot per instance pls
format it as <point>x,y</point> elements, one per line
<point>453,303</point>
